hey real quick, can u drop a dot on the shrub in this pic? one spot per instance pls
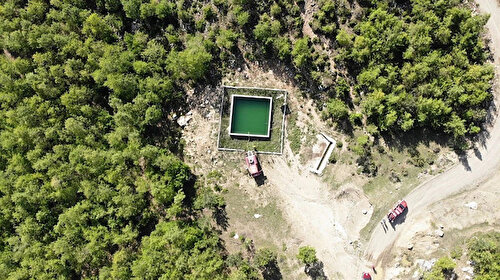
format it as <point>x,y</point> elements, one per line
<point>307,255</point>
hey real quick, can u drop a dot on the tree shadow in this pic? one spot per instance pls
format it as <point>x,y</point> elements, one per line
<point>220,216</point>
<point>478,154</point>
<point>272,271</point>
<point>316,271</point>
<point>413,138</point>
<point>462,157</point>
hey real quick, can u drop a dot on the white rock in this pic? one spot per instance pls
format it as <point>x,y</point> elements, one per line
<point>236,236</point>
<point>467,277</point>
<point>256,216</point>
<point>410,246</point>
<point>426,265</point>
<point>365,212</point>
<point>189,113</point>
<point>439,233</point>
<point>468,269</point>
<point>472,205</point>
<point>183,120</point>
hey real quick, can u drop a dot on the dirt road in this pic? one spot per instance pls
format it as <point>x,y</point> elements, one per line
<point>325,220</point>
<point>472,169</point>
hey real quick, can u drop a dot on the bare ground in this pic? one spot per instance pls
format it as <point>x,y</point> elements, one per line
<point>330,222</point>
<point>457,222</point>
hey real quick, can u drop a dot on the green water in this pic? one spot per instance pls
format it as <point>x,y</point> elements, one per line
<point>250,115</point>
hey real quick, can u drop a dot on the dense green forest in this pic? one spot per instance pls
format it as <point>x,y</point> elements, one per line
<point>92,182</point>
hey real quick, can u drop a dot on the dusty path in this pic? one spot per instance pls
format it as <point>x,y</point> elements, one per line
<point>476,167</point>
<point>326,221</point>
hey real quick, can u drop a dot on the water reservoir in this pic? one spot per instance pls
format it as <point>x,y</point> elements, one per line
<point>250,116</point>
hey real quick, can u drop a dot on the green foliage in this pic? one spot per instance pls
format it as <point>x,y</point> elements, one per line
<point>302,53</point>
<point>307,255</point>
<point>283,47</point>
<point>484,251</point>
<point>441,270</point>
<point>336,109</point>
<point>424,70</point>
<point>267,29</point>
<point>333,158</point>
<point>325,19</point>
<point>226,39</point>
<point>91,183</point>
<point>191,63</point>
<point>172,251</point>
<point>344,39</point>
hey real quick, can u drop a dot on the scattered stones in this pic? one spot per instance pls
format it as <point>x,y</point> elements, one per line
<point>394,177</point>
<point>410,246</point>
<point>256,216</point>
<point>439,233</point>
<point>426,265</point>
<point>472,205</point>
<point>365,212</point>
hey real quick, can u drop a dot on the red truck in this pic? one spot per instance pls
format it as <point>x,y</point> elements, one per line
<point>366,276</point>
<point>398,210</point>
<point>253,165</point>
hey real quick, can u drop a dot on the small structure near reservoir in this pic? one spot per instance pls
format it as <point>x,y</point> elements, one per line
<point>323,147</point>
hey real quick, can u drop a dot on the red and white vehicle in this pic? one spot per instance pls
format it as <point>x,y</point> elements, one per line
<point>398,210</point>
<point>253,165</point>
<point>366,276</point>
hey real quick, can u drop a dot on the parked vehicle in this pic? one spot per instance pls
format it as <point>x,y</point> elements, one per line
<point>366,276</point>
<point>398,210</point>
<point>253,165</point>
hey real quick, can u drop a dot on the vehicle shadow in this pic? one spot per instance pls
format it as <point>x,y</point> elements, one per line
<point>261,179</point>
<point>399,219</point>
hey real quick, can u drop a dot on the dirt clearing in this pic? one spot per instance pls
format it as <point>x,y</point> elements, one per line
<point>330,222</point>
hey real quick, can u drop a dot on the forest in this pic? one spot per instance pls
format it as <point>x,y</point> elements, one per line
<point>92,179</point>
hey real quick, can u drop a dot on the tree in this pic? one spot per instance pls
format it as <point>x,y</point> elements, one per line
<point>226,39</point>
<point>191,63</point>
<point>307,255</point>
<point>337,110</point>
<point>301,53</point>
<point>484,252</point>
<point>266,260</point>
